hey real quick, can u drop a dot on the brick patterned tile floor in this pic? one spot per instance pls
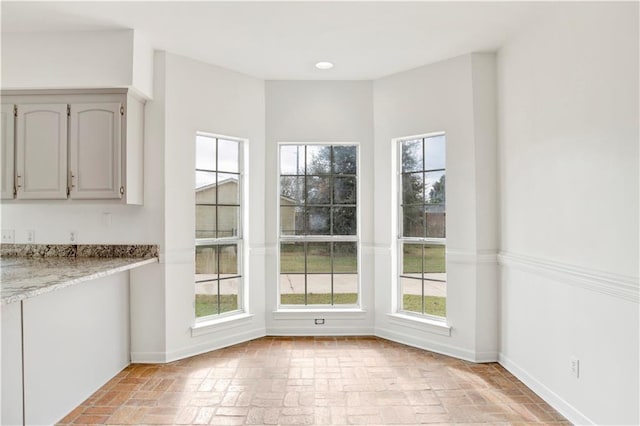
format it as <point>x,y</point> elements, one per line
<point>315,381</point>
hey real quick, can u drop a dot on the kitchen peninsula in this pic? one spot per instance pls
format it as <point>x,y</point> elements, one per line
<point>65,324</point>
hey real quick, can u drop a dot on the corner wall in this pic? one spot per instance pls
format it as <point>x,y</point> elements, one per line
<point>568,109</point>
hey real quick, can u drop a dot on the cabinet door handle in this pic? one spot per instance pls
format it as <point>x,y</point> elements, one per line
<point>18,177</point>
<point>71,176</point>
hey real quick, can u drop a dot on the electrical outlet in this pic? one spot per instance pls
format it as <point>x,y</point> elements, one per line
<point>575,367</point>
<point>8,236</point>
<point>319,321</point>
<point>73,236</point>
<point>31,236</point>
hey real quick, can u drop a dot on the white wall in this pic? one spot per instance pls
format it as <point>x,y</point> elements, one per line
<point>202,97</point>
<point>90,59</point>
<point>454,96</point>
<point>320,111</point>
<point>568,109</point>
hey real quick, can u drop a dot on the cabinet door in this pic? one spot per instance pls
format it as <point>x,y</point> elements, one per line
<point>6,155</point>
<point>41,151</point>
<point>95,143</point>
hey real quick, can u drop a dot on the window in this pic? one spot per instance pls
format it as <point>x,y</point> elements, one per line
<point>318,208</point>
<point>422,226</point>
<point>218,239</point>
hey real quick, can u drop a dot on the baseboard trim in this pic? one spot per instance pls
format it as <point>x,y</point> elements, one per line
<point>440,348</point>
<point>563,407</point>
<point>218,344</point>
<point>148,357</point>
<point>321,331</point>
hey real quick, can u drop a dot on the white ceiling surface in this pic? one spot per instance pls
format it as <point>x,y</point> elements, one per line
<point>283,40</point>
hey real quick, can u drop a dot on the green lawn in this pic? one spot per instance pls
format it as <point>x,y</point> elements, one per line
<point>319,299</point>
<point>434,257</point>
<point>207,304</point>
<point>433,305</point>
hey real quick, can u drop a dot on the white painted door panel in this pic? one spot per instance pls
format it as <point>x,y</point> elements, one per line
<point>95,142</point>
<point>41,151</point>
<point>7,153</point>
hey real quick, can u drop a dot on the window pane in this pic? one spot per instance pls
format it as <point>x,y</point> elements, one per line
<point>319,289</point>
<point>434,261</point>
<point>319,257</point>
<point>344,190</point>
<point>291,219</point>
<point>344,221</point>
<point>345,257</point>
<point>318,159</point>
<point>411,290</point>
<point>411,156</point>
<point>434,187</point>
<point>412,260</point>
<point>205,153</point>
<point>229,290</point>
<point>205,221</point>
<point>228,221</point>
<point>318,222</point>
<point>206,298</point>
<point>228,159</point>
<point>228,260</point>
<point>413,188</point>
<point>292,159</point>
<point>318,190</point>
<point>435,298</point>
<point>228,189</point>
<point>413,221</point>
<point>434,152</point>
<point>436,220</point>
<point>292,289</point>
<point>345,289</point>
<point>345,160</point>
<point>292,257</point>
<point>205,187</point>
<point>206,263</point>
<point>291,190</point>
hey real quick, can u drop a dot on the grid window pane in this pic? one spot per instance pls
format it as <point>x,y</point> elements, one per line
<point>318,257</point>
<point>412,156</point>
<point>434,152</point>
<point>228,221</point>
<point>318,198</point>
<point>206,221</point>
<point>413,221</point>
<point>205,187</point>
<point>292,160</point>
<point>318,190</point>
<point>206,263</point>
<point>291,219</point>
<point>228,188</point>
<point>229,290</point>
<point>413,188</point>
<point>434,259</point>
<point>228,260</point>
<point>205,153</point>
<point>344,190</point>
<point>345,160</point>
<point>434,187</point>
<point>228,156</point>
<point>292,190</point>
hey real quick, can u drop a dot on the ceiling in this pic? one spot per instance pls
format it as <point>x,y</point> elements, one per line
<point>283,40</point>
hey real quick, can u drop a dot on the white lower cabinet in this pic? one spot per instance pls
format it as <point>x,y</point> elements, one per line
<point>11,368</point>
<point>72,341</point>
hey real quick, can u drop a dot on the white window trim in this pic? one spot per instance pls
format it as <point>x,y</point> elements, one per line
<point>212,321</point>
<point>290,311</point>
<point>397,312</point>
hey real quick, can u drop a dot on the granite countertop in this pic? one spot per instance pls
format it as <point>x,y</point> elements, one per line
<point>23,277</point>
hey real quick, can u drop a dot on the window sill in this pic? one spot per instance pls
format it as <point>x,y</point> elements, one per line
<point>302,314</point>
<point>423,324</point>
<point>201,328</point>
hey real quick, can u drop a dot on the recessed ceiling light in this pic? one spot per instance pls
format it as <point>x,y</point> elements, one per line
<point>324,65</point>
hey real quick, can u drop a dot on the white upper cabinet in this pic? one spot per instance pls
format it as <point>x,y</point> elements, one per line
<point>95,151</point>
<point>41,151</point>
<point>6,154</point>
<point>73,145</point>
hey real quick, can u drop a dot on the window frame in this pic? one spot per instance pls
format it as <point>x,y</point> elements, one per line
<point>318,238</point>
<point>401,240</point>
<point>238,240</point>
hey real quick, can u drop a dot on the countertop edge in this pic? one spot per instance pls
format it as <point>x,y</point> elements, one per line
<point>57,286</point>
